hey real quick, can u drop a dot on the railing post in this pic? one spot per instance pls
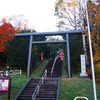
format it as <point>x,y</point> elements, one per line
<point>6,73</point>
<point>46,73</point>
<point>38,89</point>
<point>42,80</point>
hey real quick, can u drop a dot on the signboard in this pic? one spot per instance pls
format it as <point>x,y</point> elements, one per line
<point>5,85</point>
<point>83,66</point>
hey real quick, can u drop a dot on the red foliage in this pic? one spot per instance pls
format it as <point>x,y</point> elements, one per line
<point>7,32</point>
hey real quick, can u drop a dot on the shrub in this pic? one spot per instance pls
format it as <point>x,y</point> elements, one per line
<point>97,73</point>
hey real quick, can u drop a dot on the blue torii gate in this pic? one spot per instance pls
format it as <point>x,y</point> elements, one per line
<point>31,42</point>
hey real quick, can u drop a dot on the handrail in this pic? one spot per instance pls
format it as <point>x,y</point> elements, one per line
<point>54,65</point>
<point>57,96</point>
<point>39,85</point>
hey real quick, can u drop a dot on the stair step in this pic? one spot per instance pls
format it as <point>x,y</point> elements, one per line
<point>28,90</point>
<point>46,96</point>
<point>25,98</point>
<point>45,99</point>
<point>26,95</point>
<point>47,91</point>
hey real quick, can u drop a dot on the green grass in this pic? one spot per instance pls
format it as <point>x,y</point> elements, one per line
<point>39,70</point>
<point>70,88</point>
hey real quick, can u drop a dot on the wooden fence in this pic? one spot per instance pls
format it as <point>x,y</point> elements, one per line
<point>10,73</point>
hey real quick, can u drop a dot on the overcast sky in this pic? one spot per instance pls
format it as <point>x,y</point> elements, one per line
<point>40,13</point>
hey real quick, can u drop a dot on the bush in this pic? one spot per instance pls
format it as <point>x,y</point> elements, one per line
<point>97,73</point>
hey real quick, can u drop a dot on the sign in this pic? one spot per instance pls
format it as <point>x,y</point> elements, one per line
<point>5,85</point>
<point>83,66</point>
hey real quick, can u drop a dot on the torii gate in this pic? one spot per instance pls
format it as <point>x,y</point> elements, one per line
<point>31,42</point>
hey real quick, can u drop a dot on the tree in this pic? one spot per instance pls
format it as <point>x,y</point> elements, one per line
<point>70,13</point>
<point>18,21</point>
<point>94,20</point>
<point>76,49</point>
<point>17,51</point>
<point>7,32</point>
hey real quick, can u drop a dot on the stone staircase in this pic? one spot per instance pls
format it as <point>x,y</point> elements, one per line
<point>57,68</point>
<point>27,91</point>
<point>48,90</point>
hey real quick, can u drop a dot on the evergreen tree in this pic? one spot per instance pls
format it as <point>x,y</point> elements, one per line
<point>17,51</point>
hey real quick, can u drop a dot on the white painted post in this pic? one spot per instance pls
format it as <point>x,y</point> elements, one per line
<point>20,72</point>
<point>6,73</point>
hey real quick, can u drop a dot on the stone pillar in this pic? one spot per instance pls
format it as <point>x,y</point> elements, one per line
<point>83,67</point>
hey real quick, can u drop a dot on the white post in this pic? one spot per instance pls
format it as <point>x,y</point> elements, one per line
<point>91,54</point>
<point>6,73</point>
<point>46,73</point>
<point>20,72</point>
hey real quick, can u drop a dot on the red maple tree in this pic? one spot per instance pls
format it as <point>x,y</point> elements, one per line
<point>7,32</point>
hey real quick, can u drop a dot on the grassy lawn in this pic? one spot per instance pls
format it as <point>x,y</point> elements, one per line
<point>69,88</point>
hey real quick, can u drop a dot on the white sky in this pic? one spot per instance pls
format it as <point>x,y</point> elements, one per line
<point>40,13</point>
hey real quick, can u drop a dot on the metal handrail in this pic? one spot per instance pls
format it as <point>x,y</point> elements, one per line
<point>39,85</point>
<point>57,96</point>
<point>54,65</point>
<point>80,98</point>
